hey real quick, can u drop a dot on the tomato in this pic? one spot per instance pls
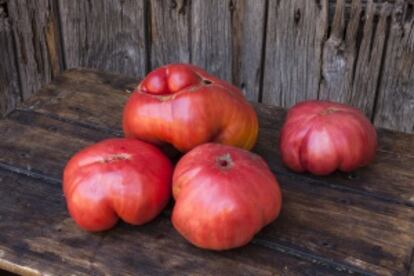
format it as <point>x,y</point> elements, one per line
<point>184,106</point>
<point>123,178</point>
<point>322,136</point>
<point>223,196</point>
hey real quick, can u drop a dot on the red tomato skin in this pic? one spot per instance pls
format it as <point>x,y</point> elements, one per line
<point>321,137</point>
<point>222,206</point>
<point>182,105</point>
<point>116,178</point>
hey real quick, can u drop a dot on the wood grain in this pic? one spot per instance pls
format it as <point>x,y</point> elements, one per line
<point>81,95</point>
<point>302,229</point>
<point>9,78</point>
<point>153,248</point>
<point>361,222</point>
<point>352,56</point>
<point>296,30</point>
<point>53,244</point>
<point>106,35</point>
<point>248,37</point>
<point>35,33</point>
<point>211,36</point>
<point>170,32</point>
<point>395,105</point>
<point>74,97</point>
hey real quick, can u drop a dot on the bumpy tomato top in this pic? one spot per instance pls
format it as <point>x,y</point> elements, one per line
<point>322,136</point>
<point>183,105</point>
<point>224,196</point>
<point>114,178</point>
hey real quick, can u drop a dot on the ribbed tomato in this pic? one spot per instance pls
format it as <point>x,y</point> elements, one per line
<point>223,196</point>
<point>182,105</point>
<point>123,178</point>
<point>322,136</point>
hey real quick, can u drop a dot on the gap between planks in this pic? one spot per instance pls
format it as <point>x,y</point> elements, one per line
<point>119,133</point>
<point>271,245</point>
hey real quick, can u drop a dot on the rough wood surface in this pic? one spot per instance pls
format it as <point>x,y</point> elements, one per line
<point>277,52</point>
<point>395,106</point>
<point>9,79</point>
<point>54,244</point>
<point>352,56</point>
<point>211,36</point>
<point>107,35</point>
<point>169,32</point>
<point>361,222</point>
<point>36,36</point>
<point>248,37</point>
<point>296,30</point>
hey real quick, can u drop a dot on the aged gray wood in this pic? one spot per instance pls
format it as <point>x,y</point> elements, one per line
<point>296,30</point>
<point>9,87</point>
<point>33,238</point>
<point>169,32</point>
<point>395,105</point>
<point>351,68</point>
<point>36,35</point>
<point>107,35</point>
<point>211,36</point>
<point>248,34</point>
<point>360,221</point>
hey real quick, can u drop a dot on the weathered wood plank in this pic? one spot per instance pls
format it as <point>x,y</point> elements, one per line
<point>295,34</point>
<point>393,163</point>
<point>353,54</point>
<point>169,32</point>
<point>211,36</point>
<point>384,185</point>
<point>80,95</point>
<point>33,243</point>
<point>9,79</point>
<point>381,239</point>
<point>248,34</point>
<point>35,32</point>
<point>107,35</point>
<point>395,104</point>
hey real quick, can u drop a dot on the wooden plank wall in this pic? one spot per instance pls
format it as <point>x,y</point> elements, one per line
<point>359,52</point>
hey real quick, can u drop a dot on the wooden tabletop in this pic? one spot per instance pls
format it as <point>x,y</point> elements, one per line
<point>360,222</point>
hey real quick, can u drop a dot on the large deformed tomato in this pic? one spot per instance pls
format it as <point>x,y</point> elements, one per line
<point>123,178</point>
<point>184,106</point>
<point>223,196</point>
<point>322,136</point>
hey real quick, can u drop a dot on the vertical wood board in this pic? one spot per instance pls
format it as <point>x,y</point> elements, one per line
<point>169,32</point>
<point>106,35</point>
<point>296,31</point>
<point>36,38</point>
<point>9,86</point>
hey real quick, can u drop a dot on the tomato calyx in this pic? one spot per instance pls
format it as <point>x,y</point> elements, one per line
<point>116,157</point>
<point>328,111</point>
<point>225,162</point>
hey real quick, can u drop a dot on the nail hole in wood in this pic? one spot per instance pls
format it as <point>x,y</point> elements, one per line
<point>296,17</point>
<point>409,13</point>
<point>325,243</point>
<point>4,11</point>
<point>318,3</point>
<point>231,6</point>
<point>344,201</point>
<point>352,176</point>
<point>24,155</point>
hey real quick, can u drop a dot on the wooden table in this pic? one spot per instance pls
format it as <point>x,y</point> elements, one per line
<point>360,223</point>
